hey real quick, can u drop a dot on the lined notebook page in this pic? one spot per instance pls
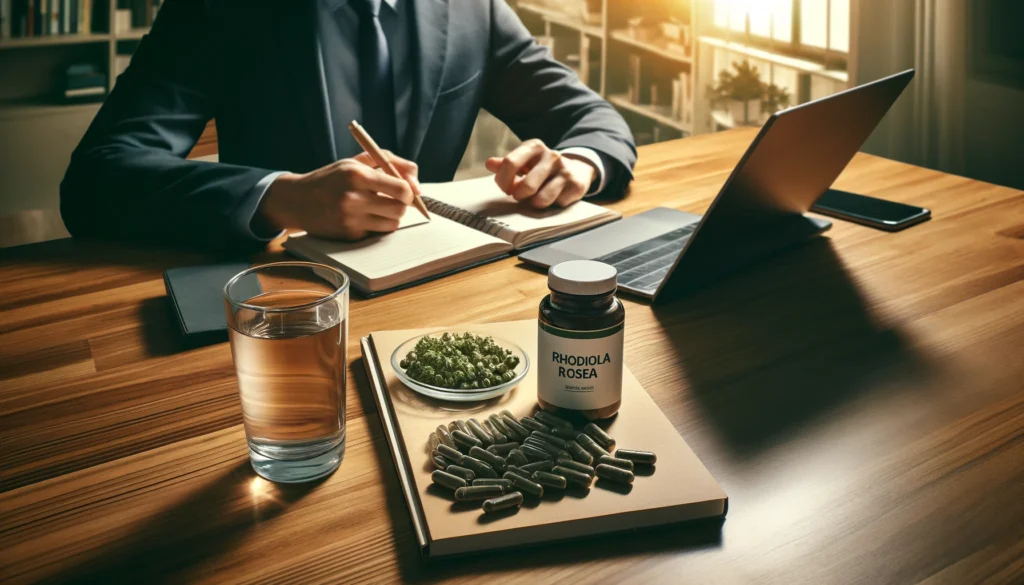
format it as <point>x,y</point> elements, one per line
<point>477,200</point>
<point>388,260</point>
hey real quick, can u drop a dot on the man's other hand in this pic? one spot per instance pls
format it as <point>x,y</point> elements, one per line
<point>542,177</point>
<point>345,200</point>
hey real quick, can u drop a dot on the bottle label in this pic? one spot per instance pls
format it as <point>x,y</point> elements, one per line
<point>579,370</point>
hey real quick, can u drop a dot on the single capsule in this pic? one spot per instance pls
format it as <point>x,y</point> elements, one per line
<point>499,437</point>
<point>519,430</point>
<point>516,457</point>
<point>533,424</point>
<point>508,414</point>
<point>546,479</point>
<point>503,483</point>
<point>552,420</point>
<point>480,433</point>
<point>517,470</point>
<point>548,448</point>
<point>444,435</point>
<point>500,425</point>
<point>509,500</point>
<point>533,453</point>
<point>478,492</point>
<point>591,445</point>
<point>439,462</point>
<point>615,462</point>
<point>572,476</point>
<point>447,480</point>
<point>579,453</point>
<point>543,465</point>
<point>574,465</point>
<point>615,474</point>
<point>524,485</point>
<point>464,441</point>
<point>433,442</point>
<point>638,457</point>
<point>548,437</point>
<point>503,449</point>
<point>598,434</point>
<point>487,457</point>
<point>563,433</point>
<point>477,466</point>
<point>462,426</point>
<point>453,455</point>
<point>466,474</point>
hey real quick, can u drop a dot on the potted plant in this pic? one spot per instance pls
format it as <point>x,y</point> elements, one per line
<point>740,93</point>
<point>775,98</point>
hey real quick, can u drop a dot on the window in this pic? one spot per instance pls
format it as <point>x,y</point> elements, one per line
<point>818,29</point>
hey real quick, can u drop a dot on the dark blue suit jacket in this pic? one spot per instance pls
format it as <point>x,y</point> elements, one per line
<point>254,66</point>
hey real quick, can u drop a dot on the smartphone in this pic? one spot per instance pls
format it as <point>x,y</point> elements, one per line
<point>870,211</point>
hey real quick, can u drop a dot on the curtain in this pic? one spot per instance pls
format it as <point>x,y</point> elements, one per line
<point>926,125</point>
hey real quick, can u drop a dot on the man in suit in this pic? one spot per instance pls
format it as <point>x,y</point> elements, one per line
<point>284,78</point>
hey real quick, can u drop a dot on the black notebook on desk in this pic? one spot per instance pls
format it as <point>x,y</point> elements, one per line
<point>196,295</point>
<point>472,222</point>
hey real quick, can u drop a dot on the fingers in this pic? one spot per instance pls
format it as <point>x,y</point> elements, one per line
<point>521,158</point>
<point>549,192</point>
<point>364,178</point>
<point>409,170</point>
<point>374,223</point>
<point>372,204</point>
<point>549,165</point>
<point>572,193</point>
<point>493,163</point>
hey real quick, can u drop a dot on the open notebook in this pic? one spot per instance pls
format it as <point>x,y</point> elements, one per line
<point>473,221</point>
<point>678,489</point>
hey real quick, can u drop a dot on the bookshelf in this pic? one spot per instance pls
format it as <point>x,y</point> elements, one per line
<point>622,34</point>
<point>660,114</point>
<point>39,128</point>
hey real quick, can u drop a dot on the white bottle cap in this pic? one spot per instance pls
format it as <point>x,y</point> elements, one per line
<point>582,277</point>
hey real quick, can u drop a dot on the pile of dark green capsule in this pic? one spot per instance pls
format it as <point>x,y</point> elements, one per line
<point>502,459</point>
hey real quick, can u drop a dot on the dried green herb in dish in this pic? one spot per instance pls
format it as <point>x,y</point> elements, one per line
<point>460,360</point>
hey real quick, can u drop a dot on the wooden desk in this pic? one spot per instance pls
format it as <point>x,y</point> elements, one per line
<point>861,400</point>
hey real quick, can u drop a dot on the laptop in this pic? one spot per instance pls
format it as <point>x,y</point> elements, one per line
<point>663,254</point>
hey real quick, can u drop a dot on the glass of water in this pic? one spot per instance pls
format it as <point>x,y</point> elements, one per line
<point>288,325</point>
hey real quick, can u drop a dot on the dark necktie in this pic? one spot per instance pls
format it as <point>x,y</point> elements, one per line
<point>375,83</point>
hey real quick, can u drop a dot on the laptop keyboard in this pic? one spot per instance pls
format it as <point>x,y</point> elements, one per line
<point>644,265</point>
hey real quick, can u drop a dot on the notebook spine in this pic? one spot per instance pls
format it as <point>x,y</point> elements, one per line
<point>476,221</point>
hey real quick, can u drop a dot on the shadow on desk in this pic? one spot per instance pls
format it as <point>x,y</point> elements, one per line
<point>167,541</point>
<point>770,350</point>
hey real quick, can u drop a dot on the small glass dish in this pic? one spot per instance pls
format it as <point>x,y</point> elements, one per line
<point>457,394</point>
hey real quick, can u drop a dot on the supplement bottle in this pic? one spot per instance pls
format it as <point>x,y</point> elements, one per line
<point>579,342</point>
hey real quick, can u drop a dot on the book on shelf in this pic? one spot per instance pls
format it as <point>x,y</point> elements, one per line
<point>135,14</point>
<point>54,11</point>
<point>634,79</point>
<point>35,18</point>
<point>83,80</point>
<point>5,19</point>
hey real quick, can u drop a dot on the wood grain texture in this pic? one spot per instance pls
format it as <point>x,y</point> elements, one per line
<point>860,399</point>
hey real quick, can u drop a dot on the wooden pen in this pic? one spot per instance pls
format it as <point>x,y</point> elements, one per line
<point>370,146</point>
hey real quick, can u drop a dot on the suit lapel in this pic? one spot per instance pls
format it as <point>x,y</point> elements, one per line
<point>297,41</point>
<point>430,49</point>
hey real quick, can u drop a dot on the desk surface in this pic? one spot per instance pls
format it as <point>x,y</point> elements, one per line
<point>861,400</point>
